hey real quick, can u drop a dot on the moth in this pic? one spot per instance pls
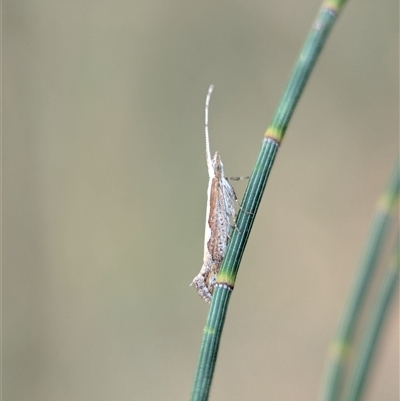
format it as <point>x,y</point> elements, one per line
<point>220,211</point>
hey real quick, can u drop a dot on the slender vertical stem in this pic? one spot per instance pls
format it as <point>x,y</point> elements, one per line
<point>343,340</point>
<point>374,328</point>
<point>254,191</point>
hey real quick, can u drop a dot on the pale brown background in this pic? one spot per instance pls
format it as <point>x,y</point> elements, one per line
<point>104,182</point>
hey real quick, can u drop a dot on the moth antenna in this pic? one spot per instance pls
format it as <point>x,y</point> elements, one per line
<point>208,153</point>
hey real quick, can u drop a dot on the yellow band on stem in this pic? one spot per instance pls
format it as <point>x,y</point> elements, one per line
<point>386,202</point>
<point>338,350</point>
<point>331,5</point>
<point>274,133</point>
<point>226,279</point>
<point>209,331</point>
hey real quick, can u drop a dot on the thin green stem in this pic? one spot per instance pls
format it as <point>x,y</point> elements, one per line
<point>252,197</point>
<point>210,344</point>
<point>373,329</point>
<point>342,342</point>
<point>313,45</point>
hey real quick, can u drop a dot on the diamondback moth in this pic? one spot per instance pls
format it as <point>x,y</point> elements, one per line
<point>220,210</point>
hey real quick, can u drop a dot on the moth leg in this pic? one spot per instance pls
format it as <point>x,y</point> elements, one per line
<point>244,211</point>
<point>237,178</point>
<point>234,193</point>
<point>236,228</point>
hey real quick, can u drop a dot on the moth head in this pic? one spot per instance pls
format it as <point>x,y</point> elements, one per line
<point>217,165</point>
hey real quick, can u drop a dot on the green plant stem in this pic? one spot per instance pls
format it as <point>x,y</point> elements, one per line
<point>342,342</point>
<point>253,194</point>
<point>316,39</point>
<point>373,329</point>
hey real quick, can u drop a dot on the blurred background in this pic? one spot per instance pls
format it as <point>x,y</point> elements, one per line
<point>104,193</point>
